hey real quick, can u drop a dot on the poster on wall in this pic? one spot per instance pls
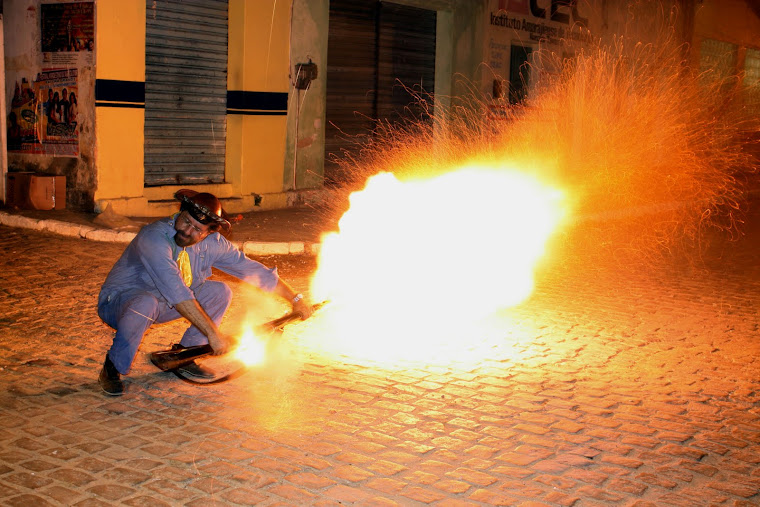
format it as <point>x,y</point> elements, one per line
<point>44,115</point>
<point>22,118</point>
<point>67,34</point>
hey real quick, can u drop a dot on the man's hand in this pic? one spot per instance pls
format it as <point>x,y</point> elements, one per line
<point>297,301</point>
<point>192,311</point>
<point>303,307</point>
<point>221,343</point>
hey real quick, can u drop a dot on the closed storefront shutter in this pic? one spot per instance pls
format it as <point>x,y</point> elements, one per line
<point>185,91</point>
<point>377,53</point>
<point>351,79</point>
<point>406,62</point>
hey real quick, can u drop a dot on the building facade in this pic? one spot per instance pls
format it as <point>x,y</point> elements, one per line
<point>254,99</point>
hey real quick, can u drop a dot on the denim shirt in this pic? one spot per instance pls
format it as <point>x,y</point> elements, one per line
<point>149,263</point>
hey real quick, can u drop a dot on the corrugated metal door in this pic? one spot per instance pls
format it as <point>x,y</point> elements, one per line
<point>185,91</point>
<point>376,50</point>
<point>406,62</point>
<point>351,79</point>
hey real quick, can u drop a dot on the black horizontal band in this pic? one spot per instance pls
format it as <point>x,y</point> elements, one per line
<point>116,93</point>
<point>269,103</point>
<point>131,94</point>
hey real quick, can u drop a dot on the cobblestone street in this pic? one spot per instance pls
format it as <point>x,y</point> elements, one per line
<point>638,389</point>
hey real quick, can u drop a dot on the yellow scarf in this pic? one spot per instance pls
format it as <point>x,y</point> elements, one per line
<point>183,261</point>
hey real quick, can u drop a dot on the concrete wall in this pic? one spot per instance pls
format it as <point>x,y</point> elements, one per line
<point>120,57</point>
<point>24,61</point>
<point>304,160</point>
<point>727,20</point>
<point>522,23</point>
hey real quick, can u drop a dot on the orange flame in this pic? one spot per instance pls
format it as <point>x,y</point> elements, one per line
<point>251,349</point>
<point>416,264</point>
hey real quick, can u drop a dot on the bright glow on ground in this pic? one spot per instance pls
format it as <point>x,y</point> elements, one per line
<point>418,265</point>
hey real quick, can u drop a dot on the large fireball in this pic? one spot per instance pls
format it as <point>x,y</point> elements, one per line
<point>416,264</point>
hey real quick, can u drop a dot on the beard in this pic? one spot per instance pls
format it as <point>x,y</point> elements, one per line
<point>183,240</point>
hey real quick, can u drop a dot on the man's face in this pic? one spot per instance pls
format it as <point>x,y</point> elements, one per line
<point>189,230</point>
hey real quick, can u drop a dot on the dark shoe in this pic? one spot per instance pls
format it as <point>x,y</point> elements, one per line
<point>110,379</point>
<point>196,370</point>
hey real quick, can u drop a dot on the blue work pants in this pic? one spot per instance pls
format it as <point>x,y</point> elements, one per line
<point>132,312</point>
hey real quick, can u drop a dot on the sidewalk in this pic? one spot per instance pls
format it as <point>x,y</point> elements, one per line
<point>265,232</point>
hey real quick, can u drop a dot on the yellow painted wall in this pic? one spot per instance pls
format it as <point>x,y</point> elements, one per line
<point>120,55</point>
<point>235,67</point>
<point>267,45</point>
<point>259,34</point>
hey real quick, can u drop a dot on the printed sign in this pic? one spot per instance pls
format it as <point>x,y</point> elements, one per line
<point>44,115</point>
<point>68,34</point>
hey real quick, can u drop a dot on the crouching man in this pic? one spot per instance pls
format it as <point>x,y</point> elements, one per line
<point>162,276</point>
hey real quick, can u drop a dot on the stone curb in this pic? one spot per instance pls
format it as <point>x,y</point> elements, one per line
<point>277,248</point>
<point>113,236</point>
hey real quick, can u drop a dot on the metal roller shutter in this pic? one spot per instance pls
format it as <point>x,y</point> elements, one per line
<point>375,50</point>
<point>185,91</point>
<point>406,61</point>
<point>351,79</point>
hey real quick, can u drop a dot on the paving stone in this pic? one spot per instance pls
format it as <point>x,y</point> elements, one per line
<point>123,475</point>
<point>456,502</point>
<point>29,480</point>
<point>555,482</point>
<point>633,389</point>
<point>738,488</point>
<point>26,500</point>
<point>423,495</point>
<point>558,498</point>
<point>626,486</point>
<point>310,480</point>
<point>622,461</point>
<point>38,465</point>
<point>676,500</point>
<point>385,467</point>
<point>657,480</point>
<point>599,494</point>
<point>294,494</point>
<point>110,492</point>
<point>7,491</point>
<point>452,487</point>
<point>347,494</point>
<point>385,485</point>
<point>145,501</point>
<point>587,476</point>
<point>492,498</point>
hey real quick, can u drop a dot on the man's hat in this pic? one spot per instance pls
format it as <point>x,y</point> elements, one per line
<point>203,207</point>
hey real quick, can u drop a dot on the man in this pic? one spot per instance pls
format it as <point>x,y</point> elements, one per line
<point>162,276</point>
<point>64,103</point>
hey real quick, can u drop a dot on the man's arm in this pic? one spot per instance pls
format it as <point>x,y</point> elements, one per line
<point>193,312</point>
<point>297,301</point>
<point>233,261</point>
